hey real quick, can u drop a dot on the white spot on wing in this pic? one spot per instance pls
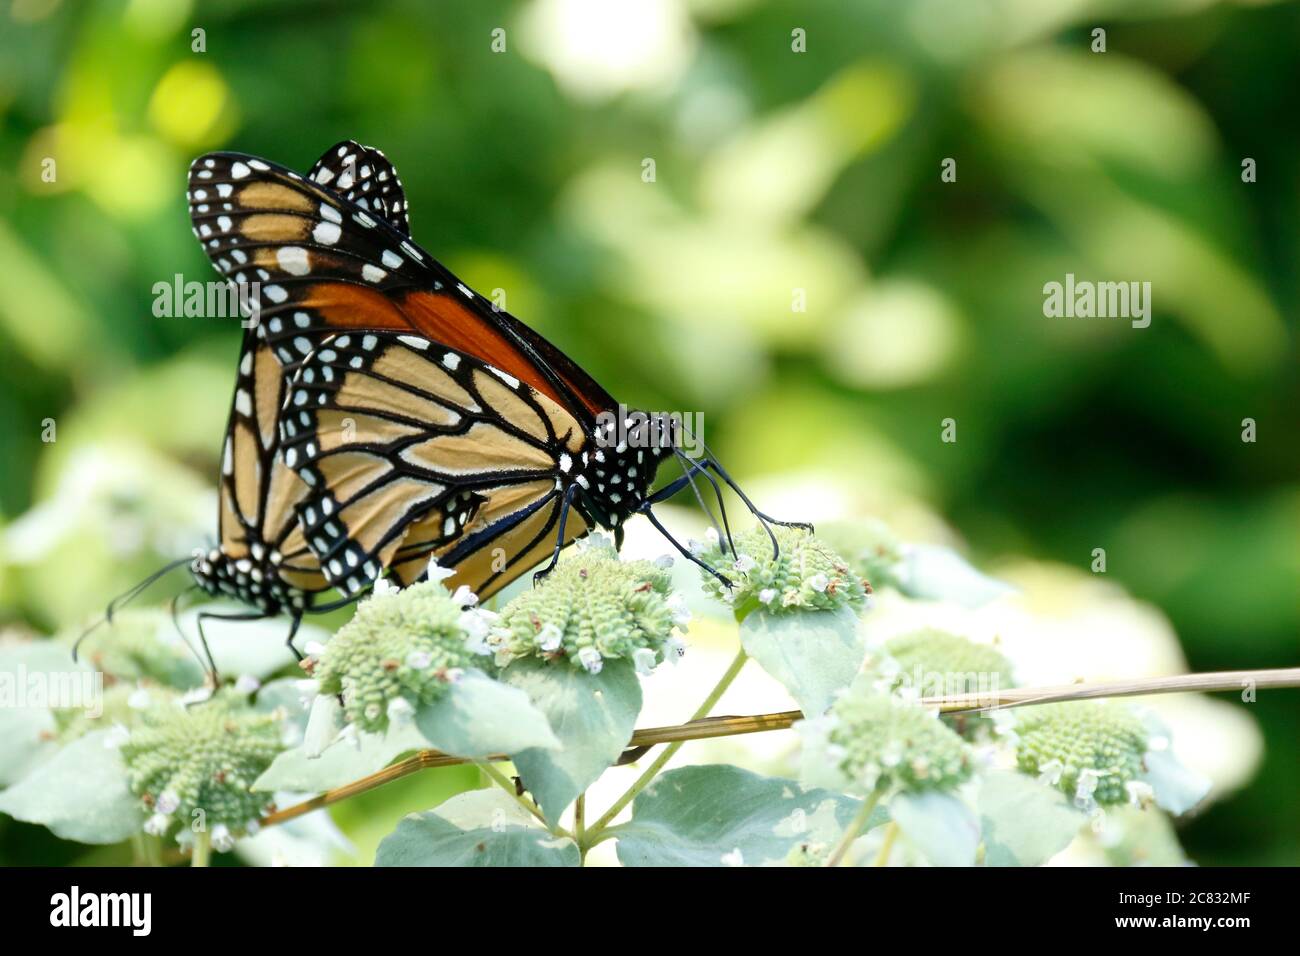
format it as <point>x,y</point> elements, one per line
<point>293,260</point>
<point>326,233</point>
<point>508,379</point>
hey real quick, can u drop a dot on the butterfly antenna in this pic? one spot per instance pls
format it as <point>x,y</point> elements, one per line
<point>125,598</point>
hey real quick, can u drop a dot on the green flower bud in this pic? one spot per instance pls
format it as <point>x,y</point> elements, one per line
<point>130,649</point>
<point>1090,750</point>
<point>879,741</point>
<point>205,757</point>
<point>869,547</point>
<point>122,704</point>
<point>401,649</point>
<point>963,666</point>
<point>806,575</point>
<point>934,663</point>
<point>594,607</point>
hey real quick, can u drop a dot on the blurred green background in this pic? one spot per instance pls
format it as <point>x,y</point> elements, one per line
<point>779,176</point>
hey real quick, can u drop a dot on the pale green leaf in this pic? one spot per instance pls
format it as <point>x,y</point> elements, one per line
<point>1177,789</point>
<point>1022,822</point>
<point>479,716</point>
<point>478,828</point>
<point>939,825</point>
<point>815,654</point>
<point>80,794</point>
<point>719,814</point>
<point>592,715</point>
<point>341,762</point>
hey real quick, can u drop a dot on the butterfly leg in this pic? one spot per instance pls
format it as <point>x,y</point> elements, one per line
<point>684,551</point>
<point>203,640</point>
<point>293,632</point>
<point>765,519</point>
<point>691,469</point>
<point>670,489</point>
<point>174,609</point>
<point>559,535</point>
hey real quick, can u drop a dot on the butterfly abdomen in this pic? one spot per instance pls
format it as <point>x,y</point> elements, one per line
<point>255,580</point>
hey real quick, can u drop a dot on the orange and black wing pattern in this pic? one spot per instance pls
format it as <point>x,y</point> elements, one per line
<point>315,260</point>
<point>415,450</point>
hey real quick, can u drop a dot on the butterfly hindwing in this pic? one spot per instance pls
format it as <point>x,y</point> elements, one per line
<point>413,449</point>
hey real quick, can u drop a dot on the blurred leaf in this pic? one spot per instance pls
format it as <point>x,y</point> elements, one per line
<point>1022,822</point>
<point>79,794</point>
<point>939,825</point>
<point>479,716</point>
<point>934,573</point>
<point>37,312</point>
<point>696,816</point>
<point>479,828</point>
<point>1177,788</point>
<point>814,654</point>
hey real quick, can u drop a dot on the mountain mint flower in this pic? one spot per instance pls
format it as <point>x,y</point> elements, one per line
<point>120,708</point>
<point>868,546</point>
<point>180,760</point>
<point>870,741</point>
<point>963,666</point>
<point>934,663</point>
<point>1091,751</point>
<point>401,644</point>
<point>593,608</point>
<point>131,649</point>
<point>806,575</point>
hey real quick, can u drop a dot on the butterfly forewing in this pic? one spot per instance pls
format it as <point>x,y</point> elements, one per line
<point>314,261</point>
<point>363,176</point>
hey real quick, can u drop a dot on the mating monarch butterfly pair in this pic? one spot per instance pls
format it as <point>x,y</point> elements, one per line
<point>385,414</point>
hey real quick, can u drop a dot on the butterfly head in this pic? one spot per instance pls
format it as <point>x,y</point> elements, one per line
<point>617,472</point>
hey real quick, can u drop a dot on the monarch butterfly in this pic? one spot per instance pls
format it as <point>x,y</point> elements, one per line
<point>354,310</point>
<point>436,424</point>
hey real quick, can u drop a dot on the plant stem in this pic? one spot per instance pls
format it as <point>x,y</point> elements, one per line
<point>508,785</point>
<point>579,827</point>
<point>853,829</point>
<point>703,728</point>
<point>202,849</point>
<point>720,688</point>
<point>891,834</point>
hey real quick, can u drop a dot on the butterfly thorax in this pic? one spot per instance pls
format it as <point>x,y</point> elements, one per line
<point>254,579</point>
<point>619,469</point>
